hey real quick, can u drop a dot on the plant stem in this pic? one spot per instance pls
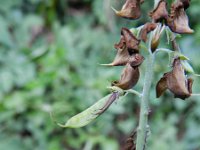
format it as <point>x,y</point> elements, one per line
<point>144,108</point>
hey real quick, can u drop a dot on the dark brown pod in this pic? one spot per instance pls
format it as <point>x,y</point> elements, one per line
<point>132,43</point>
<point>126,49</point>
<point>160,12</point>
<point>121,44</point>
<point>141,1</point>
<point>161,86</point>
<point>176,82</point>
<point>178,21</point>
<point>129,78</point>
<point>131,141</point>
<point>186,3</point>
<point>148,27</point>
<point>136,60</point>
<point>121,59</point>
<point>130,10</point>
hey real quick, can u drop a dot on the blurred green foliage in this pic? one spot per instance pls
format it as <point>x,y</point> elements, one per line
<point>49,56</point>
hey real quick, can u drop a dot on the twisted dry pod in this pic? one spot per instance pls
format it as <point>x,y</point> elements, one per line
<point>130,74</point>
<point>178,20</point>
<point>148,27</point>
<point>126,48</point>
<point>130,10</point>
<point>131,141</point>
<point>160,12</point>
<point>176,82</point>
<point>129,78</point>
<point>132,43</point>
<point>186,3</point>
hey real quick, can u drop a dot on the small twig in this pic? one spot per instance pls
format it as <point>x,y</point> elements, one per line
<point>134,92</point>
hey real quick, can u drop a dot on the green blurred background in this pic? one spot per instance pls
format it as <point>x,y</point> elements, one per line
<point>50,52</point>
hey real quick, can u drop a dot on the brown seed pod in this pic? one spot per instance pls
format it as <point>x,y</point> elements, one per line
<point>176,82</point>
<point>131,141</point>
<point>186,3</point>
<point>130,10</point>
<point>148,27</point>
<point>129,78</point>
<point>121,58</point>
<point>132,43</point>
<point>136,60</point>
<point>126,49</point>
<point>178,20</point>
<point>160,12</point>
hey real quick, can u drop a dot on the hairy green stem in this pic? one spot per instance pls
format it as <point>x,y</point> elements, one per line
<point>143,126</point>
<point>144,108</point>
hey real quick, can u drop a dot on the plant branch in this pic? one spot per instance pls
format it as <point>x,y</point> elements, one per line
<point>134,92</point>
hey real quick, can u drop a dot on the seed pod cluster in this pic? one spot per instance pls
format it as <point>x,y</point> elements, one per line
<point>128,52</point>
<point>127,55</point>
<point>128,48</point>
<point>177,19</point>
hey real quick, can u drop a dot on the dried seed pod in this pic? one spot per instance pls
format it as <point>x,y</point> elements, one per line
<point>136,60</point>
<point>132,43</point>
<point>130,10</point>
<point>161,86</point>
<point>148,27</point>
<point>176,82</point>
<point>121,43</point>
<point>186,3</point>
<point>156,37</point>
<point>126,48</point>
<point>178,21</point>
<point>121,58</point>
<point>129,78</point>
<point>160,12</point>
<point>131,141</point>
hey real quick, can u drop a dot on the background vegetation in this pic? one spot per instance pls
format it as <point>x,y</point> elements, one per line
<point>49,56</point>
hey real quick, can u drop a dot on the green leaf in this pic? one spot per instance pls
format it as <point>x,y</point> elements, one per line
<point>87,116</point>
